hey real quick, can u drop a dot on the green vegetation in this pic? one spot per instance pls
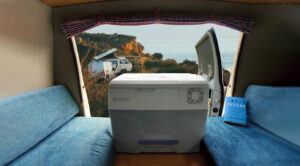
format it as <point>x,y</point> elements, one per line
<point>91,45</point>
<point>157,56</point>
<point>171,66</point>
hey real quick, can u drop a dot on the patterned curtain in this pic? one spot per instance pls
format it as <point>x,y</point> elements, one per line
<point>72,28</point>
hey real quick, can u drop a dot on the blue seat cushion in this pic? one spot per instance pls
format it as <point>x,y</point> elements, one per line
<point>276,109</point>
<point>81,142</point>
<point>235,145</point>
<point>27,119</point>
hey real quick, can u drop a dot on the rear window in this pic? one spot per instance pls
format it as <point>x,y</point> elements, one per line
<point>152,48</point>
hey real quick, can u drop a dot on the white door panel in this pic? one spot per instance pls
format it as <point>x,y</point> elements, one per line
<point>210,67</point>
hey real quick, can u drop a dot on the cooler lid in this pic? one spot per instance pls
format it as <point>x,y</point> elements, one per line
<point>158,78</point>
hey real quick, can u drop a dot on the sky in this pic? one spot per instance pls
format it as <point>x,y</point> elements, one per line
<point>177,41</point>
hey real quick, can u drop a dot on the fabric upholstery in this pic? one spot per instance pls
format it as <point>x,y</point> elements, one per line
<point>232,145</point>
<point>27,119</point>
<point>80,142</point>
<point>276,109</point>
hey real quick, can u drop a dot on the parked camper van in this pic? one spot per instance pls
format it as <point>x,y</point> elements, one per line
<point>121,65</point>
<point>114,67</point>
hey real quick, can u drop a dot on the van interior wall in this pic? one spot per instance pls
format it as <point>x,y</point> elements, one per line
<point>269,55</point>
<point>65,68</point>
<point>26,46</point>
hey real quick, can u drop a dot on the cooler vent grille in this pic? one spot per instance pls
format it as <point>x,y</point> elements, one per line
<point>195,95</point>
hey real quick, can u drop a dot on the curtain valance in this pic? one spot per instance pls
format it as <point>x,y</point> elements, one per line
<point>72,28</point>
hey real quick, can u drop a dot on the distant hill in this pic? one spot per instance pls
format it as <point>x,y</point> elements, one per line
<point>107,41</point>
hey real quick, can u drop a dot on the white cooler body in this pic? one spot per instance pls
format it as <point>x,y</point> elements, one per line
<point>158,112</point>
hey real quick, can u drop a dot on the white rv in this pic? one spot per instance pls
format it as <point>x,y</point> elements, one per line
<point>114,67</point>
<point>121,65</point>
<point>111,66</point>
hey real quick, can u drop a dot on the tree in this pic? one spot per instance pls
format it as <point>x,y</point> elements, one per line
<point>189,62</point>
<point>169,63</point>
<point>157,56</point>
<point>151,63</point>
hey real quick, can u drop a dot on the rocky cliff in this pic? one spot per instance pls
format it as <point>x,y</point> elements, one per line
<point>90,45</point>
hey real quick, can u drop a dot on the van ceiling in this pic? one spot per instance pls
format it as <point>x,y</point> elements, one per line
<point>55,3</point>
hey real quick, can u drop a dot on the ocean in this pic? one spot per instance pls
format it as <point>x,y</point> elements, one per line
<point>226,58</point>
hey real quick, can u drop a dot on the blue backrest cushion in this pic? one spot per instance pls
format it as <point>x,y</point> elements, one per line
<point>27,119</point>
<point>276,109</point>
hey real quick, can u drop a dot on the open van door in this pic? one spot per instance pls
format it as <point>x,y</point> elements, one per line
<point>210,67</point>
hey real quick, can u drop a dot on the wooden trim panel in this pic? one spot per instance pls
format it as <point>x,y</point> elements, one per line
<point>55,3</point>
